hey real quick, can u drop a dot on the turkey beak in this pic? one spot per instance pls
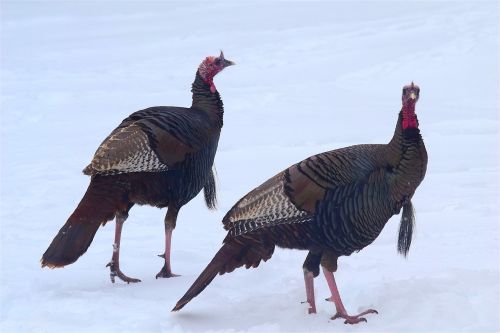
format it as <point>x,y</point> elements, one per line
<point>225,62</point>
<point>228,63</point>
<point>413,96</point>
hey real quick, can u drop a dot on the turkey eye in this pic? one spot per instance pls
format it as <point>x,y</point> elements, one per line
<point>217,62</point>
<point>404,91</point>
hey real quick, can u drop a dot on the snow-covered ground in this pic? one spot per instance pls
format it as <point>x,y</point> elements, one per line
<point>311,76</point>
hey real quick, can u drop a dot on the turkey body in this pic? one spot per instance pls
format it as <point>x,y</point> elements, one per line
<point>187,168</point>
<point>330,204</point>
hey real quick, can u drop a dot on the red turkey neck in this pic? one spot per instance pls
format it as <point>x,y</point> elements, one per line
<point>409,117</point>
<point>205,99</point>
<point>403,137</point>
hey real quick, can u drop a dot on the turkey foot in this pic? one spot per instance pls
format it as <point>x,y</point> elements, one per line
<point>311,309</point>
<point>352,319</point>
<point>165,272</point>
<point>116,272</point>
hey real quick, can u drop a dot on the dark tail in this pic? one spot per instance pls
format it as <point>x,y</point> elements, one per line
<point>231,256</point>
<point>406,229</point>
<point>210,191</point>
<point>104,197</point>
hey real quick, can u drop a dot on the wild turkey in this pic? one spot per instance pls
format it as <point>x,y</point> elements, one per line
<point>330,204</point>
<point>160,156</point>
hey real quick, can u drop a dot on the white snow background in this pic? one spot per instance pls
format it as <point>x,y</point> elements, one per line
<point>310,77</point>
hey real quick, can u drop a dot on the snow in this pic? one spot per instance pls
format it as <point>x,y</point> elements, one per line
<point>310,77</point>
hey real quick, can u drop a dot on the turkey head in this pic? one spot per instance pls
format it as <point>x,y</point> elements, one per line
<point>211,66</point>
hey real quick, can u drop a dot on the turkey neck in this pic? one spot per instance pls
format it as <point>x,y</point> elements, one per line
<point>406,156</point>
<point>403,138</point>
<point>204,99</point>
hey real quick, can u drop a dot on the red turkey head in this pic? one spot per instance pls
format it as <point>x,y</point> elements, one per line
<point>410,97</point>
<point>211,66</point>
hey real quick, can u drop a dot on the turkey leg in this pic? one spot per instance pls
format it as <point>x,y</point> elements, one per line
<point>341,312</point>
<point>114,264</point>
<point>311,270</point>
<point>170,221</point>
<point>309,281</point>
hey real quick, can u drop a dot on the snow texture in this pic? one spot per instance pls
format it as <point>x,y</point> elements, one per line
<point>310,77</point>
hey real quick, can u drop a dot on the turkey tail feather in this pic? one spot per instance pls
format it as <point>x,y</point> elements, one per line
<point>210,191</point>
<point>69,244</point>
<point>233,254</point>
<point>225,254</point>
<point>406,229</point>
<point>99,205</point>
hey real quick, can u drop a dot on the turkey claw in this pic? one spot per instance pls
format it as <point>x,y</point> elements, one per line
<point>353,319</point>
<point>114,271</point>
<point>165,273</point>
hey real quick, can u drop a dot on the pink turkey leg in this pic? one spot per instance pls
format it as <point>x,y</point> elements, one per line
<point>341,312</point>
<point>166,271</point>
<point>309,281</point>
<point>114,264</point>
